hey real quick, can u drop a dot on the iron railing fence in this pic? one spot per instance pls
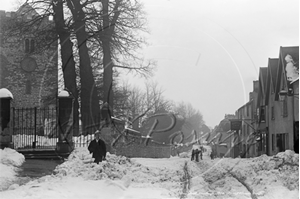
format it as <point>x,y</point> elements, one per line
<point>34,127</point>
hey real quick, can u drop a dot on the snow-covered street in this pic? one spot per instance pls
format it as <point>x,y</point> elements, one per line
<point>175,177</point>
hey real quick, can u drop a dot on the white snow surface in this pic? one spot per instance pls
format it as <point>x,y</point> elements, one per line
<point>144,178</point>
<point>10,160</point>
<point>267,177</point>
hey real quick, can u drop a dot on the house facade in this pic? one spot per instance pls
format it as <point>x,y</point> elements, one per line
<point>261,112</point>
<point>247,115</point>
<point>278,103</point>
<point>295,85</point>
<point>270,119</point>
<point>286,81</point>
<point>273,107</point>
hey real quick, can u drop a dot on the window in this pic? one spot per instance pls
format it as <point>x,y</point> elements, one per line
<point>29,45</point>
<point>260,143</point>
<point>272,113</point>
<point>26,45</point>
<point>262,114</point>
<point>248,110</point>
<point>28,87</point>
<point>32,45</point>
<point>281,141</point>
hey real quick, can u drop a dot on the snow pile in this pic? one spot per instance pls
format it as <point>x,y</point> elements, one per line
<point>164,173</point>
<point>80,164</point>
<point>116,177</point>
<point>132,173</point>
<point>264,177</point>
<point>10,160</point>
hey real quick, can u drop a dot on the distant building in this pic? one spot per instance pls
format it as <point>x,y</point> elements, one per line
<point>28,69</point>
<point>221,140</point>
<point>261,112</point>
<point>247,135</point>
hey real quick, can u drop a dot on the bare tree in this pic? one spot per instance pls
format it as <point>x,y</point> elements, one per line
<point>190,114</point>
<point>141,104</point>
<point>67,58</point>
<point>90,107</point>
<point>114,25</point>
<point>105,33</point>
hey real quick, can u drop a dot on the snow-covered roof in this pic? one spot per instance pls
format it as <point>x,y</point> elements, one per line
<point>297,79</point>
<point>63,93</point>
<point>5,93</point>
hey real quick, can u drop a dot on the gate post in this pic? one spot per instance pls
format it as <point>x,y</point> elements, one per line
<point>65,122</point>
<point>5,133</point>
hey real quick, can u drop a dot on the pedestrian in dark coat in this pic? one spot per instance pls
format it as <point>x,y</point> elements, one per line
<point>98,148</point>
<point>201,154</point>
<point>193,155</point>
<point>197,155</point>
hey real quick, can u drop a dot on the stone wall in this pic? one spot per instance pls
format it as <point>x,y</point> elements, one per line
<point>38,85</point>
<point>134,147</point>
<point>141,151</point>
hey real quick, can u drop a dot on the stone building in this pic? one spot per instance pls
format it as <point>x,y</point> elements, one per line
<point>28,58</point>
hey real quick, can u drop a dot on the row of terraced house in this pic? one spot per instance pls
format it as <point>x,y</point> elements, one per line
<point>272,113</point>
<point>269,122</point>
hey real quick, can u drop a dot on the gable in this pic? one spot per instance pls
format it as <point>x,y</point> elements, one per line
<point>271,77</point>
<point>262,85</point>
<point>273,65</point>
<point>285,65</point>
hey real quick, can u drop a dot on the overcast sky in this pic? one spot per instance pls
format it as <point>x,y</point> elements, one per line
<point>209,52</point>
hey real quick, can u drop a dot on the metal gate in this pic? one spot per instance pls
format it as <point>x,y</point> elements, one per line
<point>34,128</point>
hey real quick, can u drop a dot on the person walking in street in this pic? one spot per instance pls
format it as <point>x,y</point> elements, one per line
<point>193,155</point>
<point>197,154</point>
<point>98,148</point>
<point>201,153</point>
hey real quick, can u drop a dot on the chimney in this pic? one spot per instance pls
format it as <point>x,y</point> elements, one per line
<point>255,86</point>
<point>250,96</point>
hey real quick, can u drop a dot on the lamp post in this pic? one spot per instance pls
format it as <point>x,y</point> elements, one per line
<point>284,93</point>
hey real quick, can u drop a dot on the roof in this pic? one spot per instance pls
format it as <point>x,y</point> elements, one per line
<point>246,104</point>
<point>27,10</point>
<point>271,77</point>
<point>263,71</point>
<point>281,73</point>
<point>263,78</point>
<point>273,65</point>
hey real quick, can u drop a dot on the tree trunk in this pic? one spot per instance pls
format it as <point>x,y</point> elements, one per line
<point>68,63</point>
<point>107,61</point>
<point>89,98</point>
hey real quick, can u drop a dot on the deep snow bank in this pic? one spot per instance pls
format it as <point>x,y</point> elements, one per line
<point>136,172</point>
<point>265,176</point>
<point>10,160</point>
